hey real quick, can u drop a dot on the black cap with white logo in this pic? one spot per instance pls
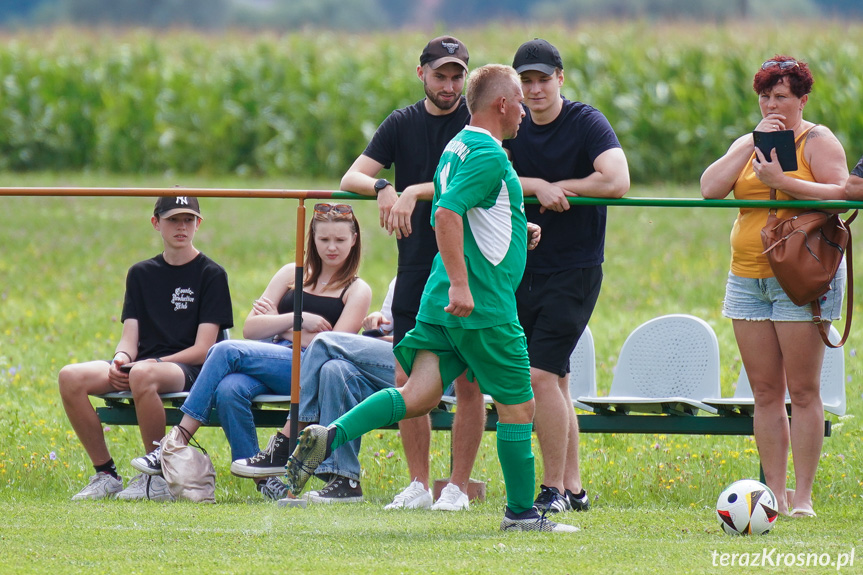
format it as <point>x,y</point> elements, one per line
<point>168,206</point>
<point>442,50</point>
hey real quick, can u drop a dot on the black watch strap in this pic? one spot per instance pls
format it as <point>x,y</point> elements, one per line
<point>381,184</point>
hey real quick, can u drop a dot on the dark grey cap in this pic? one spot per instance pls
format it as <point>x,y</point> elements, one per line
<point>537,55</point>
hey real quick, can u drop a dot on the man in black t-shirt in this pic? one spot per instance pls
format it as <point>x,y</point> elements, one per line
<point>413,139</point>
<point>563,149</point>
<point>175,306</point>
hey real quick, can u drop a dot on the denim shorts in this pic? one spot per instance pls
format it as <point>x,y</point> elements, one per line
<point>763,299</point>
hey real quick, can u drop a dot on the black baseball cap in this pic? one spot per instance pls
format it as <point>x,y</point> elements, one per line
<point>537,55</point>
<point>168,206</point>
<point>443,50</point>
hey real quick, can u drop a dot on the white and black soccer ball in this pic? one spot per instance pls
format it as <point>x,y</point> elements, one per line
<point>747,507</point>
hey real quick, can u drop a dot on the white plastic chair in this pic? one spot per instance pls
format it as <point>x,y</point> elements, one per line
<point>582,370</point>
<point>832,385</point>
<point>666,365</point>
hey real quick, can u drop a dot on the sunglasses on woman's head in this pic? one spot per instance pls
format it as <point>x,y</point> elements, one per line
<point>784,65</point>
<point>343,210</point>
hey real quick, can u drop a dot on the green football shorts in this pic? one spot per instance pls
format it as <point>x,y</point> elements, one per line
<point>495,357</point>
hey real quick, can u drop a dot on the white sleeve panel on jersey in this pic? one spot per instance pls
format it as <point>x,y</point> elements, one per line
<point>492,227</point>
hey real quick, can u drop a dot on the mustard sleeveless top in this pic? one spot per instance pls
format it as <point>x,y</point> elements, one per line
<point>747,261</point>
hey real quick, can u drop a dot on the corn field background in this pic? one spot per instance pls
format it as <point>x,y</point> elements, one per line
<point>306,103</point>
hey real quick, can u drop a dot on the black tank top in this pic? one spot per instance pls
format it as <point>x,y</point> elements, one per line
<point>328,307</point>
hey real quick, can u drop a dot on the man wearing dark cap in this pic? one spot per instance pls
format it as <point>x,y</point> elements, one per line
<point>564,149</point>
<point>175,305</point>
<point>413,138</point>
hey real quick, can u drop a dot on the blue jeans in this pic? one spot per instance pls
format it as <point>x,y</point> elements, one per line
<point>338,371</point>
<point>764,299</point>
<point>236,371</point>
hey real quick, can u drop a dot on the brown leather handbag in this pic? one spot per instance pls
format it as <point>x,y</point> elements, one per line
<point>804,252</point>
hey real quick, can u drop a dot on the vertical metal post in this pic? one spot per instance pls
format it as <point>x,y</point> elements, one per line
<point>298,324</point>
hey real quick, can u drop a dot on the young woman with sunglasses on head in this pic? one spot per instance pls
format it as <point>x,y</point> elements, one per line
<point>779,343</point>
<point>334,299</point>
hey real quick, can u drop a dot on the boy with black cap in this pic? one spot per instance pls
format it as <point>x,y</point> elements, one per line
<point>564,149</point>
<point>175,305</point>
<point>413,138</point>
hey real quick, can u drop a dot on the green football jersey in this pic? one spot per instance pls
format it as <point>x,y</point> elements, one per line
<point>476,180</point>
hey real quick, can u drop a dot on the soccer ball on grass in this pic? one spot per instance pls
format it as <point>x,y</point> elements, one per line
<point>747,507</point>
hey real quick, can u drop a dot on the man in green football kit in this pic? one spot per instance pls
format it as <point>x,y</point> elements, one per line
<point>467,318</point>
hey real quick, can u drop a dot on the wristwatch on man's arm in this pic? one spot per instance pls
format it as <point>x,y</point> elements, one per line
<point>380,185</point>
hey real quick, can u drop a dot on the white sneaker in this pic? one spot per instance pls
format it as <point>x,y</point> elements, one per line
<point>101,486</point>
<point>451,499</point>
<point>414,496</point>
<point>143,486</point>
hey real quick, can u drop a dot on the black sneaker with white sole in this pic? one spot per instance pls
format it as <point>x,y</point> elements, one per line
<point>532,520</point>
<point>579,502</point>
<point>550,500</point>
<point>339,490</point>
<point>267,463</point>
<point>151,464</point>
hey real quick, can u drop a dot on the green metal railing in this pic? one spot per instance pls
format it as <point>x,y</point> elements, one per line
<point>694,202</point>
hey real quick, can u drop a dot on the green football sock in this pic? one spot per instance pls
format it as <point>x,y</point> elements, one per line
<point>378,410</point>
<point>516,462</point>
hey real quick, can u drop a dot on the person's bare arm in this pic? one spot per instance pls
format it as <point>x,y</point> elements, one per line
<point>126,352</point>
<point>854,188</point>
<point>357,301</point>
<point>609,180</point>
<point>718,179</point>
<point>826,158</point>
<point>264,321</point>
<point>360,179</point>
<point>449,230</point>
<point>195,355</point>
<point>399,220</point>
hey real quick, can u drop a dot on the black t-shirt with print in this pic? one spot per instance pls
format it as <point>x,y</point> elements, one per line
<point>170,302</point>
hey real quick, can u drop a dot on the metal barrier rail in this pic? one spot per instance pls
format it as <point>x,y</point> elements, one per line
<point>693,202</point>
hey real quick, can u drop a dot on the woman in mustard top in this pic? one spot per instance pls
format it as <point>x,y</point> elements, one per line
<point>779,344</point>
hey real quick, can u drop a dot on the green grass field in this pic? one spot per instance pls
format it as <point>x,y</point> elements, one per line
<point>62,266</point>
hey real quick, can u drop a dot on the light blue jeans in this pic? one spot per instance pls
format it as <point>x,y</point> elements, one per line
<point>236,371</point>
<point>764,299</point>
<point>338,371</point>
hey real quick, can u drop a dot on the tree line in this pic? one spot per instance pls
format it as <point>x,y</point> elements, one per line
<point>359,15</point>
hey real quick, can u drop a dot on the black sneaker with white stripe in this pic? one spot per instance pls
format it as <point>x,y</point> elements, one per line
<point>267,463</point>
<point>580,502</point>
<point>550,500</point>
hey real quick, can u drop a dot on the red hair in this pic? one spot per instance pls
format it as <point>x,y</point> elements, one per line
<point>799,77</point>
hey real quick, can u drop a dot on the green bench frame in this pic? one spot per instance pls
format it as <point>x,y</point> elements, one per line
<point>121,411</point>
